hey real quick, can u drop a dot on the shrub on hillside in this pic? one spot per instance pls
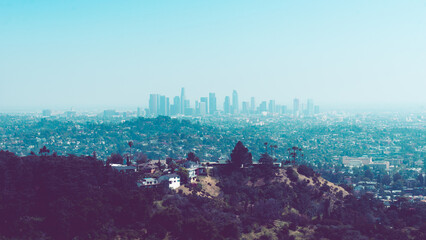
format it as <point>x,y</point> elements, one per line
<point>305,170</point>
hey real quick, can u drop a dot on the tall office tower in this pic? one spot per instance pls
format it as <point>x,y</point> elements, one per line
<point>310,107</point>
<point>284,109</point>
<point>176,106</point>
<point>316,109</point>
<point>197,107</point>
<point>203,108</point>
<point>235,108</point>
<point>271,107</point>
<point>167,106</point>
<point>139,112</point>
<point>227,105</point>
<point>252,105</point>
<point>158,104</point>
<point>278,108</point>
<point>245,108</point>
<point>262,107</point>
<point>212,103</point>
<point>162,110</point>
<point>182,101</point>
<point>188,110</point>
<point>153,104</point>
<point>206,101</point>
<point>296,107</point>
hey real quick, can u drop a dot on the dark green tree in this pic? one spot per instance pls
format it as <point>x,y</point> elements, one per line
<point>240,156</point>
<point>116,158</point>
<point>44,151</point>
<point>191,157</point>
<point>266,159</point>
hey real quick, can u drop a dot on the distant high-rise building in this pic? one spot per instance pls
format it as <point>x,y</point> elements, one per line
<point>227,105</point>
<point>206,106</point>
<point>139,112</point>
<point>167,106</point>
<point>203,108</point>
<point>110,113</point>
<point>271,107</point>
<point>182,101</point>
<point>188,110</point>
<point>284,109</point>
<point>245,107</point>
<point>310,107</point>
<point>296,107</point>
<point>176,109</point>
<point>197,107</point>
<point>212,103</point>
<point>235,108</point>
<point>316,109</point>
<point>262,107</point>
<point>47,113</point>
<point>153,104</point>
<point>187,107</point>
<point>70,114</point>
<point>162,110</point>
<point>252,105</point>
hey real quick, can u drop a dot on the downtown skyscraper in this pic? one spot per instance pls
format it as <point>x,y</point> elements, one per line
<point>212,103</point>
<point>296,107</point>
<point>235,108</point>
<point>182,101</point>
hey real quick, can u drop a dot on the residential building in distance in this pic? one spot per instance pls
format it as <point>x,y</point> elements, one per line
<point>47,113</point>
<point>356,161</point>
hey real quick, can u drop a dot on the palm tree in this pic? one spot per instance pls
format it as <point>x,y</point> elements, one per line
<point>130,145</point>
<point>294,153</point>
<point>44,151</point>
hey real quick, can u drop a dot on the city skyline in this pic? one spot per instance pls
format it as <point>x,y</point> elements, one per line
<point>160,105</point>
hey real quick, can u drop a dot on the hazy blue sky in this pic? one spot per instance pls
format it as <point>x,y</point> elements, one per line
<point>114,53</point>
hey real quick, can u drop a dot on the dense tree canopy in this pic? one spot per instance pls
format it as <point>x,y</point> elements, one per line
<point>240,156</point>
<point>71,197</point>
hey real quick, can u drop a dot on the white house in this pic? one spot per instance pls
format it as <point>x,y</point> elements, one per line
<point>192,169</point>
<point>173,179</point>
<point>148,182</point>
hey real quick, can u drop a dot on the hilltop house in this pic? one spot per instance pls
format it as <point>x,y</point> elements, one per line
<point>151,166</point>
<point>192,168</point>
<point>173,180</point>
<point>148,182</point>
<point>123,167</point>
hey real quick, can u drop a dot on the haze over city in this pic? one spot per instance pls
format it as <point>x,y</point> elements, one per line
<point>111,54</point>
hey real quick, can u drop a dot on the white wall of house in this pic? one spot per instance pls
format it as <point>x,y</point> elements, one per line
<point>174,182</point>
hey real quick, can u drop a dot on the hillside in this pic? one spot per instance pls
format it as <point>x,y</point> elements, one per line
<point>71,197</point>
